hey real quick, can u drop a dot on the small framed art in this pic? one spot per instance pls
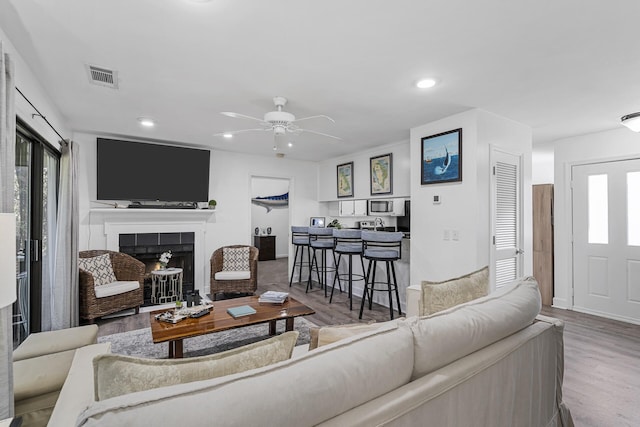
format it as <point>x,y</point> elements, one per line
<point>381,174</point>
<point>345,180</point>
<point>441,158</point>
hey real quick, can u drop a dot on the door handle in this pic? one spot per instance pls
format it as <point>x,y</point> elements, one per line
<point>35,250</point>
<point>519,251</point>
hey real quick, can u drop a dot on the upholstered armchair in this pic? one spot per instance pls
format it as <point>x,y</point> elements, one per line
<point>234,269</point>
<point>97,300</point>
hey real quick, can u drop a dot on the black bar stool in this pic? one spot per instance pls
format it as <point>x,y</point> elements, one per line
<point>348,243</point>
<point>300,239</point>
<point>381,246</point>
<point>321,239</point>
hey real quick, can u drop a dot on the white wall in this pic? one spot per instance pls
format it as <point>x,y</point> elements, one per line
<point>230,185</point>
<point>598,147</point>
<point>277,219</point>
<point>464,205</point>
<point>31,87</point>
<point>542,164</point>
<point>327,184</point>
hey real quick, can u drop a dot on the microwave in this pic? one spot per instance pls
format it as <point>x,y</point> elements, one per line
<point>385,207</point>
<point>380,207</point>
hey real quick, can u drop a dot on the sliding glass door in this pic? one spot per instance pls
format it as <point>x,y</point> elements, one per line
<point>35,204</point>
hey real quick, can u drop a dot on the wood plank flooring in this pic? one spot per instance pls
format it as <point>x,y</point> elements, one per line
<point>602,356</point>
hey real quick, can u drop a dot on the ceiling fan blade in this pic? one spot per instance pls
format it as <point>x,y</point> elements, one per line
<point>241,116</point>
<point>233,132</point>
<point>316,117</point>
<point>320,133</point>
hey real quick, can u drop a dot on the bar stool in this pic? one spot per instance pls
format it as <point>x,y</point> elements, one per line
<point>381,246</point>
<point>321,239</point>
<point>348,243</point>
<point>300,239</point>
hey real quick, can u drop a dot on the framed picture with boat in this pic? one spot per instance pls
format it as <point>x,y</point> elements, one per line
<point>441,158</point>
<point>345,180</point>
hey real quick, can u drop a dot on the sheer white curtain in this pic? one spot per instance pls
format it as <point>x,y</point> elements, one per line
<point>64,294</point>
<point>7,165</point>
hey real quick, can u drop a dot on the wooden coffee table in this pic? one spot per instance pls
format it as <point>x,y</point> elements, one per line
<point>219,320</point>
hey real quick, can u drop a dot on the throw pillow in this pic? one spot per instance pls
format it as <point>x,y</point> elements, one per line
<point>115,375</point>
<point>235,259</point>
<point>438,296</point>
<point>100,268</point>
<point>330,334</point>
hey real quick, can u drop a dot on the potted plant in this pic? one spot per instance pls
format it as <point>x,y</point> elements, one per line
<point>212,204</point>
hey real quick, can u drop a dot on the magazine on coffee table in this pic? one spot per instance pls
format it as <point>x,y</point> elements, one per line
<point>273,297</point>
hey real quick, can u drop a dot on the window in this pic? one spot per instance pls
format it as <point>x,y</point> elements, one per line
<point>598,209</point>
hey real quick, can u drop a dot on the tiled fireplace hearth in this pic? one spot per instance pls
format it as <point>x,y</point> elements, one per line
<point>182,231</point>
<point>147,247</point>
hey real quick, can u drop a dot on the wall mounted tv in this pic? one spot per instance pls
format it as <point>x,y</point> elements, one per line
<point>138,171</point>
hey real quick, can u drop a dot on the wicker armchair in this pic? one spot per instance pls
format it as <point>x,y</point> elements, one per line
<point>243,286</point>
<point>125,267</point>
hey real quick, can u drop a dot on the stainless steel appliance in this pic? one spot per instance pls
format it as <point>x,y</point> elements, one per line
<point>367,225</point>
<point>380,207</point>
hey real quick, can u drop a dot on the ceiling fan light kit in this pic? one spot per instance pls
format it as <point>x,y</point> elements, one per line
<point>279,122</point>
<point>632,121</point>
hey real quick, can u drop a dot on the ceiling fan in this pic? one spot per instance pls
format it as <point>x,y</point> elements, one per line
<point>279,122</point>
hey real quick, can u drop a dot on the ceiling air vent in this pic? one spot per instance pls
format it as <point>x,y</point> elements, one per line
<point>103,77</point>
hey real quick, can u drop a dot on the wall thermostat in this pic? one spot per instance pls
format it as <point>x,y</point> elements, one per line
<point>436,200</point>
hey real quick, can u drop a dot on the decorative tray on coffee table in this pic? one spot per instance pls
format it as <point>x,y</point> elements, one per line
<point>174,316</point>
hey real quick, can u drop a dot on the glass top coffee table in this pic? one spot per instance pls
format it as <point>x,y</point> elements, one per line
<point>219,320</point>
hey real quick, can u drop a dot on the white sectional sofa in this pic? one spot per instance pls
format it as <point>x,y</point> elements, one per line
<point>489,362</point>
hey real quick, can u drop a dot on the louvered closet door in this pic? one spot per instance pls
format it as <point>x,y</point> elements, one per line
<point>506,218</point>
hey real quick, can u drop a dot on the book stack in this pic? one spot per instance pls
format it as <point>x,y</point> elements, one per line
<point>273,297</point>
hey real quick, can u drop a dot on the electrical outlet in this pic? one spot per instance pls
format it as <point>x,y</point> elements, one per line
<point>436,200</point>
<point>455,235</point>
<point>446,235</point>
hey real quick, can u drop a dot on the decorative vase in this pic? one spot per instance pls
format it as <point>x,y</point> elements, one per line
<point>163,266</point>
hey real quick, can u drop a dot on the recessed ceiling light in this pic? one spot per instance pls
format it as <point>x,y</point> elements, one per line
<point>227,135</point>
<point>425,83</point>
<point>290,144</point>
<point>146,122</point>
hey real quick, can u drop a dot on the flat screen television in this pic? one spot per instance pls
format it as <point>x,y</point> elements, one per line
<point>138,171</point>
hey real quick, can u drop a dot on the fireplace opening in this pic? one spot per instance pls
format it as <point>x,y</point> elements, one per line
<point>147,247</point>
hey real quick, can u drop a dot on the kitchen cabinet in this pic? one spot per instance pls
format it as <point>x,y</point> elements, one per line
<point>352,208</point>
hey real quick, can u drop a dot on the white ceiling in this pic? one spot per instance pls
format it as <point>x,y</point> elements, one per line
<point>564,67</point>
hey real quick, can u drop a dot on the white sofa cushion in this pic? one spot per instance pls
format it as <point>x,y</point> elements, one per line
<point>100,268</point>
<point>43,343</point>
<point>232,275</point>
<point>298,392</point>
<point>115,375</point>
<point>116,288</point>
<point>451,334</point>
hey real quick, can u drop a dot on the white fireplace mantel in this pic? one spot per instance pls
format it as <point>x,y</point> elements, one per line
<point>130,221</point>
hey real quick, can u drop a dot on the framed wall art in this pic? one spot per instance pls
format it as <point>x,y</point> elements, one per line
<point>345,180</point>
<point>441,158</point>
<point>381,174</point>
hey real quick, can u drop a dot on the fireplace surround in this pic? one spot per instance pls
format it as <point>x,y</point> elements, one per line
<point>147,247</point>
<point>114,222</point>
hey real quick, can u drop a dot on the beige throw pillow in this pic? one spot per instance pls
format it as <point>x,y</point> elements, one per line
<point>235,259</point>
<point>115,375</point>
<point>100,268</point>
<point>330,334</point>
<point>438,296</point>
